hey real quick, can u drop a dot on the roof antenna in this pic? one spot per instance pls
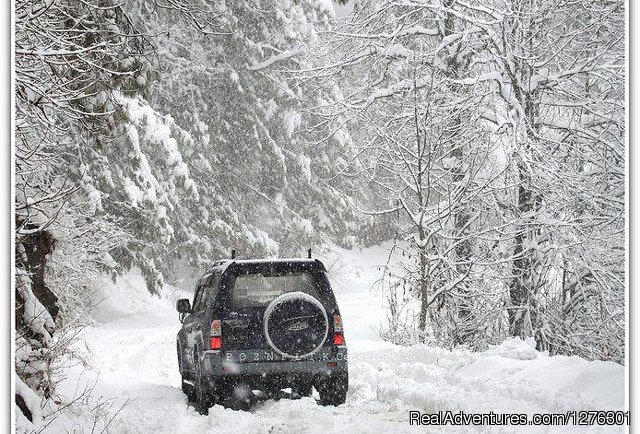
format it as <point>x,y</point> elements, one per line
<point>233,254</point>
<point>309,253</point>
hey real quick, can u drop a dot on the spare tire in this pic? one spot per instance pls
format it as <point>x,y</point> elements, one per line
<point>295,325</point>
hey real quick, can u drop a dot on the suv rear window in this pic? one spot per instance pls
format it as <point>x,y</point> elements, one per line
<point>258,290</point>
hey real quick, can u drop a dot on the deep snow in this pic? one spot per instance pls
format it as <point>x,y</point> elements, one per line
<point>136,385</point>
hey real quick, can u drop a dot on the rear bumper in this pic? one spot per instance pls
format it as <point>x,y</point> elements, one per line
<point>260,366</point>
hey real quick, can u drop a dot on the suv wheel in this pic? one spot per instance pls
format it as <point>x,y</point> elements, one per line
<point>302,389</point>
<point>187,387</point>
<point>203,399</point>
<point>333,391</point>
<point>272,392</point>
<point>189,390</point>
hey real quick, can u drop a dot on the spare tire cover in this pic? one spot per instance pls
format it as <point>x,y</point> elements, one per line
<point>295,325</point>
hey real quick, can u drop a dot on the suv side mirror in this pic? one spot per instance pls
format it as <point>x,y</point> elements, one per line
<point>183,305</point>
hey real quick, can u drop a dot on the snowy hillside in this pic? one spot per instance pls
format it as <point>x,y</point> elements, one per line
<point>135,385</point>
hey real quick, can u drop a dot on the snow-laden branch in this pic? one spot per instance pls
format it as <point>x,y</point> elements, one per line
<point>271,60</point>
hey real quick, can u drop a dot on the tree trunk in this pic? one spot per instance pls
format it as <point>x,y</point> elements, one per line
<point>460,212</point>
<point>424,290</point>
<point>520,287</point>
<point>36,248</point>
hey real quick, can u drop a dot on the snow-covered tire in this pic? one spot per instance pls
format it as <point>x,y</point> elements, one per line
<point>295,325</point>
<point>272,392</point>
<point>180,362</point>
<point>187,388</point>
<point>203,398</point>
<point>302,389</point>
<point>333,391</point>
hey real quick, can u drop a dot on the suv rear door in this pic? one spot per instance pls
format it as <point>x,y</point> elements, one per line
<point>243,315</point>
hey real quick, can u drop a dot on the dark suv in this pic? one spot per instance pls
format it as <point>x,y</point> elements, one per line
<point>263,325</point>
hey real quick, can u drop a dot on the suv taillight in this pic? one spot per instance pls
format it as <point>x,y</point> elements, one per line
<point>338,337</point>
<point>215,335</point>
<point>337,323</point>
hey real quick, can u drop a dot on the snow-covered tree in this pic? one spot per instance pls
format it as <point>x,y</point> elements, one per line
<point>84,142</point>
<point>258,156</point>
<point>522,110</point>
<point>558,69</point>
<point>423,150</point>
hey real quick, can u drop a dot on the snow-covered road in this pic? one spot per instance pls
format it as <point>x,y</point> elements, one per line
<point>132,367</point>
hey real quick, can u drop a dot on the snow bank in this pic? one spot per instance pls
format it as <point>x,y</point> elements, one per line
<point>128,296</point>
<point>564,383</point>
<point>499,380</point>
